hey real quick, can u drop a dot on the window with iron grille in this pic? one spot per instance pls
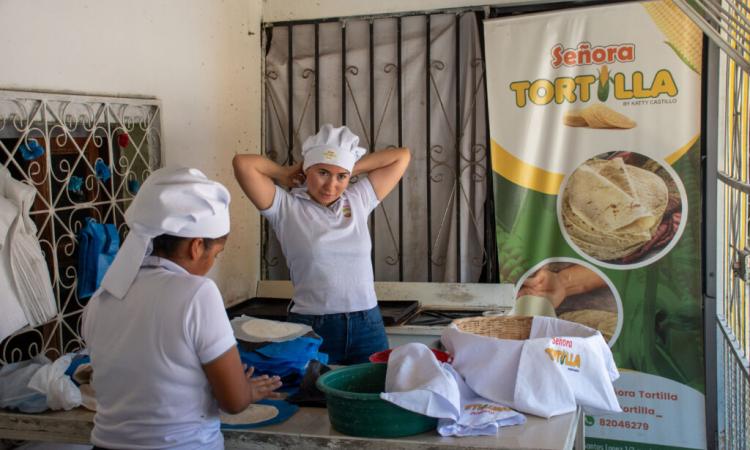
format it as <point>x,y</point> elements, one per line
<point>413,81</point>
<point>727,251</point>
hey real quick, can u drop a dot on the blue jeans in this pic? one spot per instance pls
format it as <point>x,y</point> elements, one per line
<point>348,338</point>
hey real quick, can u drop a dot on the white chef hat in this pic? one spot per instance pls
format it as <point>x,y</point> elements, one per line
<point>336,146</point>
<point>174,200</point>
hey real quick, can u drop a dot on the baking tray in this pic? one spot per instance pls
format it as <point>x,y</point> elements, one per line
<point>394,311</point>
<point>262,308</point>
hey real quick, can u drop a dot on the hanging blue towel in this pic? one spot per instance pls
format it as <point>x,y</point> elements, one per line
<point>97,246</point>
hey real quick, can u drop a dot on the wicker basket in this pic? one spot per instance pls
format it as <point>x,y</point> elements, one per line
<point>501,327</point>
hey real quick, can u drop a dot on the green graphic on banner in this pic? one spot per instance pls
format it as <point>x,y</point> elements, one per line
<point>595,128</point>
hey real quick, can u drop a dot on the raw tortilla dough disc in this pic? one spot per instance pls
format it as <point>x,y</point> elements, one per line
<point>270,329</point>
<point>253,414</point>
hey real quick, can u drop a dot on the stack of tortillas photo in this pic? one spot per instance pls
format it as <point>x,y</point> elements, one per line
<point>610,209</point>
<point>597,116</point>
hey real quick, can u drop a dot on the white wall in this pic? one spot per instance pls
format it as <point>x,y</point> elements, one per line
<point>285,10</point>
<point>200,58</point>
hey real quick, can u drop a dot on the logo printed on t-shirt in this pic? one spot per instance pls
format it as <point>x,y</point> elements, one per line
<point>572,361</point>
<point>346,209</point>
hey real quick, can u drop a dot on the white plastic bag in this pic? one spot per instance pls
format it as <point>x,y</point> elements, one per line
<point>14,390</point>
<point>52,381</point>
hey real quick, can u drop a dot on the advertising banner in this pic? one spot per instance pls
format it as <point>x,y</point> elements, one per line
<point>595,126</point>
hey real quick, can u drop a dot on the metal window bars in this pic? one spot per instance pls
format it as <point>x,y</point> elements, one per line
<point>96,152</point>
<point>727,25</point>
<point>414,80</point>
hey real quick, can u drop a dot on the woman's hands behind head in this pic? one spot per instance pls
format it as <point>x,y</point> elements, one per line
<point>293,176</point>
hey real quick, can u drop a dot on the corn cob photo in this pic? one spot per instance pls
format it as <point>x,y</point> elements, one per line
<point>603,91</point>
<point>682,35</point>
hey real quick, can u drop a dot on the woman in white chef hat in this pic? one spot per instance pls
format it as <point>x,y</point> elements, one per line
<point>322,228</point>
<point>162,349</point>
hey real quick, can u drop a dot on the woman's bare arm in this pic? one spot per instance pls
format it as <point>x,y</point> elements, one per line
<point>235,388</point>
<point>256,175</point>
<point>384,169</point>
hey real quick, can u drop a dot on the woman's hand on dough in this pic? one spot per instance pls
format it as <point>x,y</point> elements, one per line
<point>263,386</point>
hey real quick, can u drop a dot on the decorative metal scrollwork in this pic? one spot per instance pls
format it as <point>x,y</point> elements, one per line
<point>90,156</point>
<point>457,140</point>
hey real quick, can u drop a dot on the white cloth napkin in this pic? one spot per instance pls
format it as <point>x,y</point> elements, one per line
<point>418,382</point>
<point>415,380</point>
<point>561,365</point>
<point>487,364</point>
<point>478,416</point>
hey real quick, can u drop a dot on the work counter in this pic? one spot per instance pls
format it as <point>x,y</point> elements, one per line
<point>309,428</point>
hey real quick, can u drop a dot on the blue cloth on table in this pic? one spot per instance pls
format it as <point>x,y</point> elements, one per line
<point>284,358</point>
<point>285,411</point>
<point>75,363</point>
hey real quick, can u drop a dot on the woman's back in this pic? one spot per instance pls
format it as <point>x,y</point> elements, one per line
<point>147,351</point>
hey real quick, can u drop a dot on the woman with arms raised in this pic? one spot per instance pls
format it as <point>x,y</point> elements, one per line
<point>322,228</point>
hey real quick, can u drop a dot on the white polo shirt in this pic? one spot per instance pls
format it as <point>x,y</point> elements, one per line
<point>147,351</point>
<point>327,249</point>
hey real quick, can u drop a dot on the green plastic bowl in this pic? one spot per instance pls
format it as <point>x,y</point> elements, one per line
<point>355,407</point>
